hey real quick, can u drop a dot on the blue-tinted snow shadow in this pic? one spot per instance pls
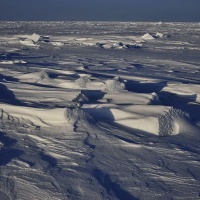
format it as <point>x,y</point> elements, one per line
<point>185,103</point>
<point>7,153</point>
<point>15,55</point>
<point>41,64</point>
<point>52,162</point>
<point>30,60</point>
<point>105,115</point>
<point>100,114</point>
<point>8,78</point>
<point>7,96</point>
<point>135,86</point>
<point>93,95</point>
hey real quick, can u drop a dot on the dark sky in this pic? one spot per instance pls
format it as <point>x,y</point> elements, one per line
<point>101,10</point>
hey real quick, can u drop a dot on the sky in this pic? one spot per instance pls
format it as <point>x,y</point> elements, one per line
<point>101,10</point>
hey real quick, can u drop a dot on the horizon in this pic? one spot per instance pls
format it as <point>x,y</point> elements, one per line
<point>195,22</point>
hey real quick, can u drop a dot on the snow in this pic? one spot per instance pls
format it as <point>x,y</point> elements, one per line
<point>98,110</point>
<point>126,97</point>
<point>28,42</point>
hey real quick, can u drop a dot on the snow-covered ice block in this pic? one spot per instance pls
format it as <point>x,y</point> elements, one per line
<point>147,36</point>
<point>35,37</point>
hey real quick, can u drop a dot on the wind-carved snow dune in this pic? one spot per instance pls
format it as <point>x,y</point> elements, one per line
<point>126,97</point>
<point>186,91</point>
<point>39,77</point>
<point>44,118</point>
<point>115,92</point>
<point>157,120</point>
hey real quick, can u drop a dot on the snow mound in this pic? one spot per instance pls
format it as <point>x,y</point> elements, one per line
<point>115,85</point>
<point>147,36</point>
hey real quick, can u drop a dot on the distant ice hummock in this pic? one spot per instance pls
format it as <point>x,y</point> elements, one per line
<point>147,36</point>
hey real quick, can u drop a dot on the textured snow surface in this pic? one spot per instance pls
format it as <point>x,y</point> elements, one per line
<point>99,110</point>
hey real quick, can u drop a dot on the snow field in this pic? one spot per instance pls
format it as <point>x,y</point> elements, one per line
<point>99,110</point>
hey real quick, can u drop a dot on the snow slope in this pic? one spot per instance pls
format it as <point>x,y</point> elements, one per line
<point>99,110</point>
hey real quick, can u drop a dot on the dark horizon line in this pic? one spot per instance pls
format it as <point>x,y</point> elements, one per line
<point>99,21</point>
